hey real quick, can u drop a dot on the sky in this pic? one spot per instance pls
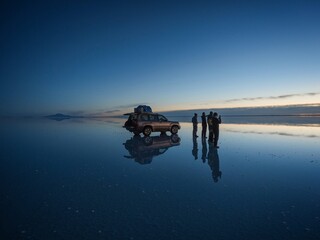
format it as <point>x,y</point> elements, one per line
<point>106,57</point>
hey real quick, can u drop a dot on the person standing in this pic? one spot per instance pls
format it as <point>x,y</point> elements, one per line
<point>204,125</point>
<point>210,126</point>
<point>216,120</point>
<point>195,124</point>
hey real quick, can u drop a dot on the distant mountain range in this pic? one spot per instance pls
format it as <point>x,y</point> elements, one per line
<point>60,116</point>
<point>289,110</point>
<point>287,115</point>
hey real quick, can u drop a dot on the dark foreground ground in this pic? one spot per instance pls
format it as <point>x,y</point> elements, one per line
<point>89,179</point>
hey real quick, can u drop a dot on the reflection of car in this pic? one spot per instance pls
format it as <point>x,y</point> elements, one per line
<point>147,123</point>
<point>143,149</point>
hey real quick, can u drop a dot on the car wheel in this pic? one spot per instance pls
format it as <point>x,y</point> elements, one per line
<point>174,129</point>
<point>175,138</point>
<point>148,140</point>
<point>147,131</point>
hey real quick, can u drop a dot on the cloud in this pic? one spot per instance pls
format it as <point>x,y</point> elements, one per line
<point>117,109</point>
<point>131,105</point>
<point>112,111</point>
<point>76,112</point>
<point>102,112</point>
<point>120,108</point>
<point>275,97</point>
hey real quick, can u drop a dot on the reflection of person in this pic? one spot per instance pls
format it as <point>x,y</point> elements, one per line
<point>195,147</point>
<point>195,124</point>
<point>204,125</point>
<point>204,150</point>
<point>214,162</point>
<point>216,120</point>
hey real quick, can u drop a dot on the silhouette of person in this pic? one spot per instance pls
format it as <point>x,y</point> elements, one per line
<point>195,124</point>
<point>195,147</point>
<point>216,120</point>
<point>210,126</point>
<point>214,162</point>
<point>204,150</point>
<point>204,125</point>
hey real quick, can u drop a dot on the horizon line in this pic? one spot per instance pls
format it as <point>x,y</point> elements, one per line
<point>306,105</point>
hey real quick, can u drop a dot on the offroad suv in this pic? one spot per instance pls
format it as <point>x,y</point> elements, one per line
<point>147,123</point>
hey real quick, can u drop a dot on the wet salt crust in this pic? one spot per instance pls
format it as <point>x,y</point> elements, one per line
<point>78,179</point>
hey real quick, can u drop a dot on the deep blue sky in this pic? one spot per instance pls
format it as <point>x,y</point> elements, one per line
<point>92,57</point>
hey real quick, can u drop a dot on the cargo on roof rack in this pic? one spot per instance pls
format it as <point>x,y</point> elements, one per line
<point>142,109</point>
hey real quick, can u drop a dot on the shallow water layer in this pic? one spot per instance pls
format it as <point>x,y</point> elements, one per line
<point>79,179</point>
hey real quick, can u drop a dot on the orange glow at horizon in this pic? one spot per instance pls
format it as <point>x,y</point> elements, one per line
<point>299,100</point>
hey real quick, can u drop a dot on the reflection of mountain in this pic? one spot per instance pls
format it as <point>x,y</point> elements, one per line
<point>143,149</point>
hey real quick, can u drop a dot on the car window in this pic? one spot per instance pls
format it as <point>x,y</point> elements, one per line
<point>162,118</point>
<point>144,117</point>
<point>153,118</point>
<point>133,117</point>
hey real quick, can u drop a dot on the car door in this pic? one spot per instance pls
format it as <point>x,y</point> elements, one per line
<point>143,121</point>
<point>163,123</point>
<point>154,121</point>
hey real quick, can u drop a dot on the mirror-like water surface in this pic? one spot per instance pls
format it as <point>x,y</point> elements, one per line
<point>94,180</point>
